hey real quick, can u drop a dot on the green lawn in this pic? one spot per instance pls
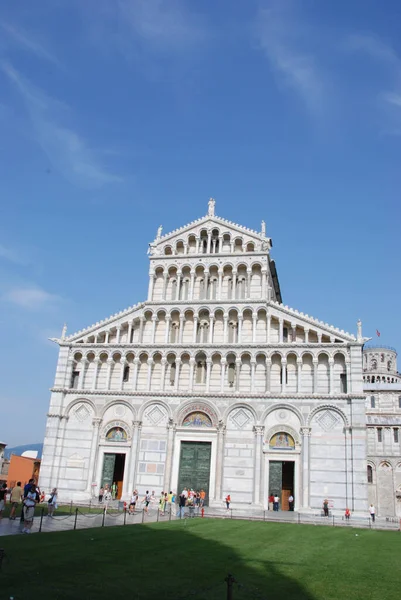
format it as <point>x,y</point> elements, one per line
<point>181,559</point>
<point>62,510</point>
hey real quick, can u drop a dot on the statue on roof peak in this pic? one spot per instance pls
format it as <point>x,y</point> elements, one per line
<point>63,333</point>
<point>159,232</point>
<point>211,205</point>
<point>263,229</point>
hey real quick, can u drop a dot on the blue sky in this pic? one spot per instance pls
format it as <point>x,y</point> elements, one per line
<point>119,115</point>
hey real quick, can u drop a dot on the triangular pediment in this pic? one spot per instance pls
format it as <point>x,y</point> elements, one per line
<point>210,222</point>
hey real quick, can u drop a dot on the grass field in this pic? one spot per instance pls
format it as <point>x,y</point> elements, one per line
<point>183,559</point>
<point>62,510</point>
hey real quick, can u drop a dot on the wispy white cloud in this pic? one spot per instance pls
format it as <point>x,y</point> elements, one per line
<point>65,148</point>
<point>11,255</point>
<point>385,55</point>
<point>165,28</point>
<point>31,298</point>
<point>18,37</point>
<point>285,47</point>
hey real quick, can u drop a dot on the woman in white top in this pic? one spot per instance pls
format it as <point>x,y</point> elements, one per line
<point>30,501</point>
<point>52,503</point>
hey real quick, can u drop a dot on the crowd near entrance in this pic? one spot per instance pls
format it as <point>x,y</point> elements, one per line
<point>194,470</point>
<point>113,472</point>
<point>281,481</point>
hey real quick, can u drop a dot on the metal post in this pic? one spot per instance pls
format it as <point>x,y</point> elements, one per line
<point>370,523</point>
<point>229,580</point>
<point>143,515</point>
<point>333,520</point>
<point>42,512</point>
<point>264,515</point>
<point>76,517</point>
<point>231,513</point>
<point>171,508</point>
<point>158,512</point>
<point>71,508</point>
<point>299,518</point>
<point>125,516</point>
<point>90,503</point>
<point>104,515</point>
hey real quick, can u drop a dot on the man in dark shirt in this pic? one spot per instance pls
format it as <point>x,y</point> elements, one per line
<point>27,488</point>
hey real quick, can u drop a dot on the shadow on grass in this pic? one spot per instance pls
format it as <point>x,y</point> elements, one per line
<point>181,560</point>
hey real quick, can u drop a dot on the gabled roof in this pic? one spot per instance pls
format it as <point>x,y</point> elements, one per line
<point>210,220</point>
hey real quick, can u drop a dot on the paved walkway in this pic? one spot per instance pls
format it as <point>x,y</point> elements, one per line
<point>88,520</point>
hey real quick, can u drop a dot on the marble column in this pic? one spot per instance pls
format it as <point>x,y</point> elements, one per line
<point>123,363</point>
<point>154,322</point>
<point>258,431</point>
<point>191,374</point>
<point>221,430</point>
<point>82,374</point>
<point>299,375</point>
<point>208,373</point>
<point>331,374</point>
<point>248,283</point>
<point>306,433</point>
<point>110,362</point>
<point>264,285</point>
<point>96,363</point>
<point>58,452</point>
<point>151,284</point>
<point>164,291</point>
<point>141,324</point>
<point>253,370</point>
<point>195,331</point>
<point>268,327</point>
<point>239,336</point>
<point>238,364</point>
<point>133,457</point>
<point>223,374</point>
<point>220,292</point>
<point>225,337</point>
<point>181,331</point>
<point>283,376</point>
<point>129,335</point>
<point>167,330</point>
<point>177,373</point>
<point>118,334</point>
<point>234,292</point>
<point>306,336</point>
<point>163,374</point>
<point>171,429</point>
<point>281,330</point>
<point>192,286</point>
<point>254,322</point>
<point>93,453</point>
<point>268,370</point>
<point>135,375</point>
<point>211,325</point>
<point>315,375</point>
<point>149,376</point>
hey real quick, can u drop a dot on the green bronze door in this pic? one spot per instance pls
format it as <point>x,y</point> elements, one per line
<point>195,467</point>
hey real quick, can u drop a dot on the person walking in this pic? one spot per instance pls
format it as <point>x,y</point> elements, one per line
<point>202,495</point>
<point>276,501</point>
<point>17,495</point>
<point>101,494</point>
<point>271,501</point>
<point>372,512</point>
<point>181,505</point>
<point>52,503</point>
<point>291,502</point>
<point>132,504</point>
<point>326,507</point>
<point>146,501</point>
<point>228,500</point>
<point>30,501</point>
<point>347,514</point>
<point>3,492</point>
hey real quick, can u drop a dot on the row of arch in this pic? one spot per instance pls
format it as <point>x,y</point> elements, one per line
<point>380,379</point>
<point>216,372</point>
<point>211,241</point>
<point>219,418</point>
<point>213,282</point>
<point>210,326</point>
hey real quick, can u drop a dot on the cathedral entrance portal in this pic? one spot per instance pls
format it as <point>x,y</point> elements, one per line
<point>113,471</point>
<point>281,480</point>
<point>194,470</point>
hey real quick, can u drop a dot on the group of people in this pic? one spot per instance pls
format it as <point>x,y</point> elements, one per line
<point>108,492</point>
<point>28,496</point>
<point>274,502</point>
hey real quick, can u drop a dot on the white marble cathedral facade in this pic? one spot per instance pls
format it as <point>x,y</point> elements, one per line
<point>214,372</point>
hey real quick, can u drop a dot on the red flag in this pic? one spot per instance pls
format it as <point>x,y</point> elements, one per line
<point>377,333</point>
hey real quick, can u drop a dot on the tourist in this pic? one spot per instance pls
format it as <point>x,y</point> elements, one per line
<point>132,504</point>
<point>276,502</point>
<point>191,507</point>
<point>347,514</point>
<point>52,503</point>
<point>181,505</point>
<point>17,495</point>
<point>3,492</point>
<point>101,494</point>
<point>271,501</point>
<point>146,501</point>
<point>170,500</point>
<point>228,500</point>
<point>197,501</point>
<point>114,490</point>
<point>30,501</point>
<point>162,503</point>
<point>326,508</point>
<point>291,502</point>
<point>372,512</point>
<point>202,495</point>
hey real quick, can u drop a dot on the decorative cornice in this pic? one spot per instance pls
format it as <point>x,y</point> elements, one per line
<point>234,396</point>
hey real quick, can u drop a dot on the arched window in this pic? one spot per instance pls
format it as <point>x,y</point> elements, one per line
<point>372,402</point>
<point>201,371</point>
<point>231,374</point>
<point>241,289</point>
<point>173,370</point>
<point>74,380</point>
<point>126,374</point>
<point>185,289</point>
<point>370,474</point>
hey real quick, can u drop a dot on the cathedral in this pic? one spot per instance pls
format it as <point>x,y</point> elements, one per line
<point>213,383</point>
